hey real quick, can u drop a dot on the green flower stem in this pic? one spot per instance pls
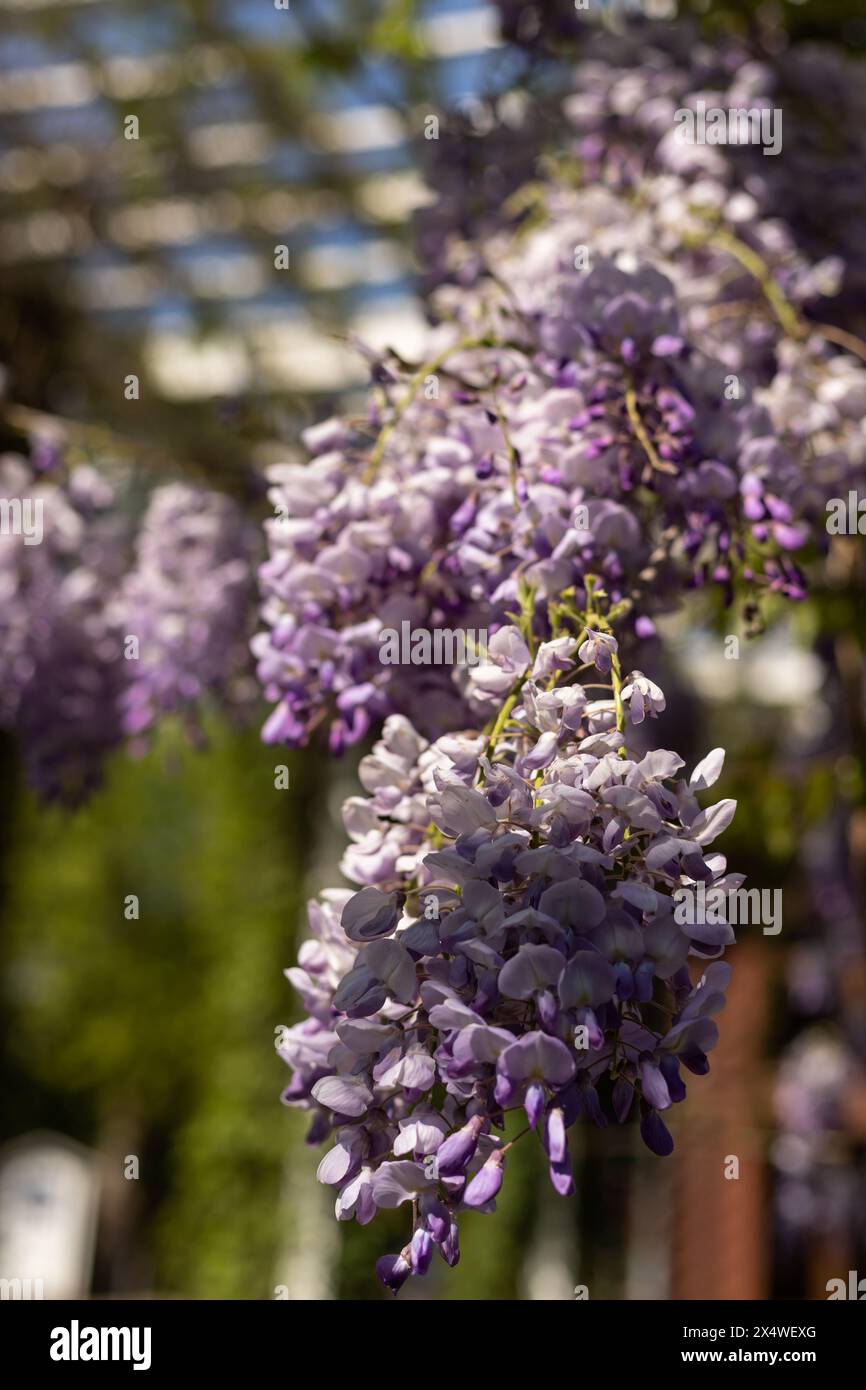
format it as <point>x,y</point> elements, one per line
<point>616,682</point>
<point>642,434</point>
<point>758,268</point>
<point>415,384</point>
<point>502,717</point>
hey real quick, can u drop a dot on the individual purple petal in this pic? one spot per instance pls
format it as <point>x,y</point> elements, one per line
<point>670,1070</point>
<point>548,1010</point>
<point>591,1104</point>
<point>636,809</point>
<point>450,1247</point>
<point>420,1251</point>
<point>708,770</point>
<point>480,1044</point>
<point>622,1098</point>
<point>340,1161</point>
<point>537,1056</point>
<point>598,650</point>
<point>553,656</point>
<point>653,1085</point>
<point>394,967</point>
<point>370,914</point>
<point>587,981</point>
<point>667,345</point>
<point>347,1095</point>
<point>486,1183</point>
<point>586,1018</point>
<point>455,1153</point>
<point>790,537</point>
<point>543,753</point>
<point>533,1102</point>
<point>360,993</point>
<point>574,903</point>
<point>712,822</point>
<point>692,1037</point>
<point>393,1271</point>
<point>356,1199</point>
<point>459,810</point>
<point>656,1134</point>
<point>531,969</point>
<point>555,1142</point>
<point>435,1215</point>
<point>395,1183</point>
<point>562,1177</point>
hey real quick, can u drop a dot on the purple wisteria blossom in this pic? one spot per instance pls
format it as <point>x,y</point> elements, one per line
<point>573,428</point>
<point>514,948</point>
<point>102,631</point>
<point>60,660</point>
<point>186,603</point>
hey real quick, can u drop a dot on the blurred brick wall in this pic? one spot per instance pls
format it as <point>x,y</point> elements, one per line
<point>721,1240</point>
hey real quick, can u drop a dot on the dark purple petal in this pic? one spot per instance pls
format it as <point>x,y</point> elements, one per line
<point>656,1134</point>
<point>622,1098</point>
<point>370,914</point>
<point>393,1271</point>
<point>670,1070</point>
<point>450,1247</point>
<point>587,981</point>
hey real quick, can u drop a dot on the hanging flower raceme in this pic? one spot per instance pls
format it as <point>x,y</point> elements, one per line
<point>186,606</point>
<point>580,433</point>
<point>636,374</point>
<point>61,667</point>
<point>515,947</point>
<point>635,388</point>
<point>626,95</point>
<point>103,632</point>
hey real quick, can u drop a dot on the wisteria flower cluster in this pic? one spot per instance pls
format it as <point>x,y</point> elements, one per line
<point>627,85</point>
<point>103,628</point>
<point>188,599</point>
<point>580,430</point>
<point>640,381</point>
<point>637,385</point>
<point>768,282</point>
<point>818,1073</point>
<point>514,947</point>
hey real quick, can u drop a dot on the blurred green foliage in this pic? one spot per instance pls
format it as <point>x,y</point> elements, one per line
<point>156,1034</point>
